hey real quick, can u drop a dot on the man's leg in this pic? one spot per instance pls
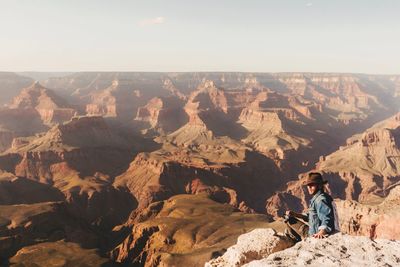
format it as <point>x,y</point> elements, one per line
<point>296,229</point>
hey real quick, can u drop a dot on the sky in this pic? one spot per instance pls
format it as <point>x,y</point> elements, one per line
<point>182,35</point>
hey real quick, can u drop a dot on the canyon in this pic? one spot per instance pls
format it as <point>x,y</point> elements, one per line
<point>149,169</point>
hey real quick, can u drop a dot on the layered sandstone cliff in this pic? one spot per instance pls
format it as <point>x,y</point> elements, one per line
<point>376,220</point>
<point>79,158</point>
<point>162,114</point>
<point>369,163</point>
<point>51,108</point>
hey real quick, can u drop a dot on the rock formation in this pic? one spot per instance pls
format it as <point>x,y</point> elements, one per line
<point>263,247</point>
<point>32,111</point>
<point>342,93</point>
<point>51,108</point>
<point>266,119</point>
<point>79,158</point>
<point>369,163</point>
<point>219,166</point>
<point>336,250</point>
<point>376,220</point>
<point>252,246</point>
<point>162,115</point>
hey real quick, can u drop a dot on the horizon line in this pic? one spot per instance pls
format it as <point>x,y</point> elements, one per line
<point>202,71</point>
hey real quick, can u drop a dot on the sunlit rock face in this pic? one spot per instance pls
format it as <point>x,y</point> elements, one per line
<point>252,246</point>
<point>266,247</point>
<point>376,220</point>
<point>79,158</point>
<point>51,108</point>
<point>32,110</point>
<point>162,115</point>
<point>188,230</point>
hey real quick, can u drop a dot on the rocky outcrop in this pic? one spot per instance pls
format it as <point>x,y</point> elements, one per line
<point>263,247</point>
<point>336,250</point>
<point>252,246</point>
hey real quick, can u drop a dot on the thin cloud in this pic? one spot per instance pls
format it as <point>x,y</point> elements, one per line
<point>153,21</point>
<point>309,4</point>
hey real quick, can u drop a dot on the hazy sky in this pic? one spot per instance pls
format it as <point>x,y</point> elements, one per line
<point>182,35</point>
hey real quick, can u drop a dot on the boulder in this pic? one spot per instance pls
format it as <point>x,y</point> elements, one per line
<point>251,246</point>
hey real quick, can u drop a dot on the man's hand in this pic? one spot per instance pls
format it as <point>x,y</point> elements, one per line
<point>321,234</point>
<point>296,215</point>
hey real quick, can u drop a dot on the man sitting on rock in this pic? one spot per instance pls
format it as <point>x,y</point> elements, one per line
<point>321,213</point>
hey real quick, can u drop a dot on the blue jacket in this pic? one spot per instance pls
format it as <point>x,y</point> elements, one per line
<point>321,213</point>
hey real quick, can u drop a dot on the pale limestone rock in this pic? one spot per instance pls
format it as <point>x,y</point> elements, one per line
<point>251,246</point>
<point>336,250</point>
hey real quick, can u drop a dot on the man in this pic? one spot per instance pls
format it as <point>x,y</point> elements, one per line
<point>321,214</point>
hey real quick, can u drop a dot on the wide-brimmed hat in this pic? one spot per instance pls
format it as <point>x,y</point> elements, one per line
<point>314,178</point>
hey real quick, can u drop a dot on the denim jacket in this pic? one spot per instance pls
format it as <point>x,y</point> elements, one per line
<point>321,213</point>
